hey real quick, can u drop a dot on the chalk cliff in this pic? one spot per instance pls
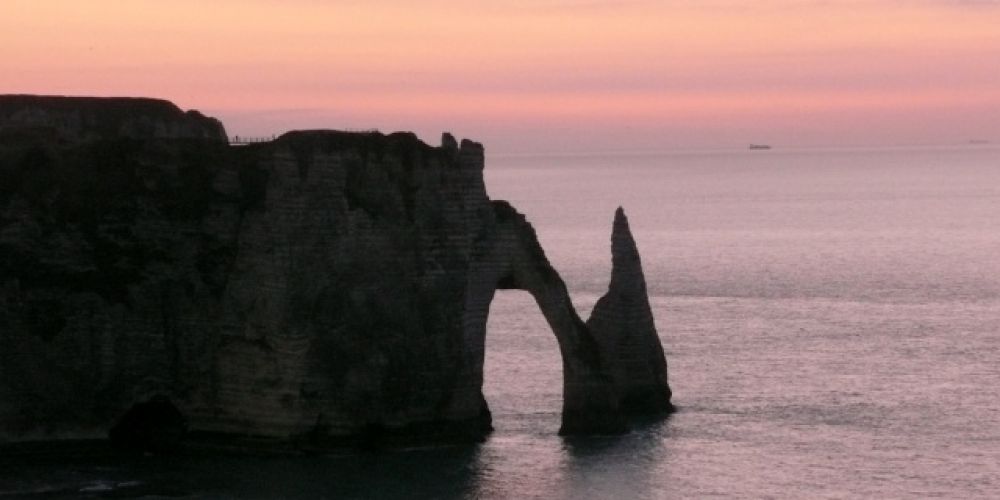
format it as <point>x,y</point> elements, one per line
<point>319,289</point>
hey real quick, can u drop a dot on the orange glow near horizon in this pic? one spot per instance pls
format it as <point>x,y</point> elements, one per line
<point>532,75</point>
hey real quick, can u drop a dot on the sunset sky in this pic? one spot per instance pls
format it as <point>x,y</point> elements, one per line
<point>533,76</point>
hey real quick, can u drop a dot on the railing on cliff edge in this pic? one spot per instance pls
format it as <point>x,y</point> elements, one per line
<point>243,140</point>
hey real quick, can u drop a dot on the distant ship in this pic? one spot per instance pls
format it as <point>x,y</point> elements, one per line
<point>759,146</point>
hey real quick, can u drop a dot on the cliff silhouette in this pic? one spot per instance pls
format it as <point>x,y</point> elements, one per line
<point>163,287</point>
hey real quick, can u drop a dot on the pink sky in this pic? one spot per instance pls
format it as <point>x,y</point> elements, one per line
<point>539,75</point>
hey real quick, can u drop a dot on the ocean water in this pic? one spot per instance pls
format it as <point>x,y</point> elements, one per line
<point>831,320</point>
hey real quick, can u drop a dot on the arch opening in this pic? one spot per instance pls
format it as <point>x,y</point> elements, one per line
<point>522,371</point>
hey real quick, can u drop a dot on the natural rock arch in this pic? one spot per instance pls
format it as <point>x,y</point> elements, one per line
<point>604,366</point>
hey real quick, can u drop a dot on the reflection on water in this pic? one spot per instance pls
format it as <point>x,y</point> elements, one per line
<point>550,466</point>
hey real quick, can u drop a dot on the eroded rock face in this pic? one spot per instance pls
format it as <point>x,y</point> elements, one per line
<point>322,288</point>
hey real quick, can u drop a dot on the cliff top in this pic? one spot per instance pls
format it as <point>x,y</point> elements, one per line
<point>122,105</point>
<point>87,118</point>
<point>75,119</point>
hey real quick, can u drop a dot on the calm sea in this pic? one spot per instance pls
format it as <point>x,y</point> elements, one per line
<point>831,320</point>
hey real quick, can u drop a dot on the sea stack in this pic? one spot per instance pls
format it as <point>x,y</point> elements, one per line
<point>622,321</point>
<point>321,289</point>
